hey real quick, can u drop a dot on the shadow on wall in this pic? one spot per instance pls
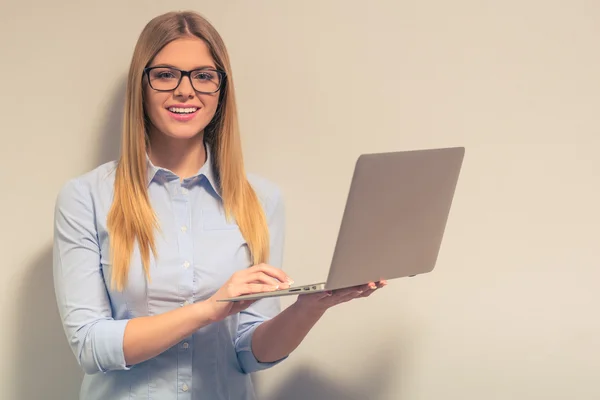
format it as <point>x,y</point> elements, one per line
<point>308,382</point>
<point>45,367</point>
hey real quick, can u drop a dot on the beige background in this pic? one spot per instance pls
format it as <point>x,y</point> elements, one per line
<point>511,311</point>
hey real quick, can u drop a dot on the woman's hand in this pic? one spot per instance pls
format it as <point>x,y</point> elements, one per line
<point>257,279</point>
<point>279,336</point>
<point>321,302</point>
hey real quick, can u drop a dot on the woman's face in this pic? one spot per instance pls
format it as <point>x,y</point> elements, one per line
<point>184,112</point>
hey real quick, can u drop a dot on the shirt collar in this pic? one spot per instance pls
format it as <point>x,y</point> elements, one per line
<point>155,173</point>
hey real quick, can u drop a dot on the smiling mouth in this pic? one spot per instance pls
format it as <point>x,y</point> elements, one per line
<point>183,111</point>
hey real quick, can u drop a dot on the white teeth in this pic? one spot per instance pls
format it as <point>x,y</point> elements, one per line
<point>183,110</point>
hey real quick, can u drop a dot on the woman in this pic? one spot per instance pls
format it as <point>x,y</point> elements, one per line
<point>145,246</point>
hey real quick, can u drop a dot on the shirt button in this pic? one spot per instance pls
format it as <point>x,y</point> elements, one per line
<point>184,191</point>
<point>186,264</point>
<point>186,345</point>
<point>184,228</point>
<point>185,387</point>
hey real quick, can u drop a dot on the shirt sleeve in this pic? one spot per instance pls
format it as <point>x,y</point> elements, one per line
<point>266,308</point>
<point>95,337</point>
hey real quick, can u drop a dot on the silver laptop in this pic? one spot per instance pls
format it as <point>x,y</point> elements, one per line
<point>395,216</point>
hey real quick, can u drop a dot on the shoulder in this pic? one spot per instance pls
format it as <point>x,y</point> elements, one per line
<point>268,192</point>
<point>89,187</point>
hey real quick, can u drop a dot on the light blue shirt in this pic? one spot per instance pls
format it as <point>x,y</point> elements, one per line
<point>197,251</point>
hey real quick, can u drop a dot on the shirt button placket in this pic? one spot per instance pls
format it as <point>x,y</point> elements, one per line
<point>186,252</point>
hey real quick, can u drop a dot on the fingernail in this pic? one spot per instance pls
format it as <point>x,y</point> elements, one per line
<point>276,287</point>
<point>290,280</point>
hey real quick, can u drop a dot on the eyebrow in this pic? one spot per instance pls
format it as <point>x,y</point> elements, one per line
<point>193,69</point>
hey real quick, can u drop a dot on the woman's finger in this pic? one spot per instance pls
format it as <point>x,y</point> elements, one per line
<point>347,295</point>
<point>319,295</point>
<point>252,288</point>
<point>352,290</point>
<point>369,292</point>
<point>370,288</point>
<point>261,277</point>
<point>272,272</point>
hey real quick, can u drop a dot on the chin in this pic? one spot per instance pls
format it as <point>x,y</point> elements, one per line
<point>183,134</point>
<point>181,130</point>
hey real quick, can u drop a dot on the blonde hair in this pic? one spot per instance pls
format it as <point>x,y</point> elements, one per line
<point>131,218</point>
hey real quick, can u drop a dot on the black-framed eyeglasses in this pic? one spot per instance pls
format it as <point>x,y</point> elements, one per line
<point>166,79</point>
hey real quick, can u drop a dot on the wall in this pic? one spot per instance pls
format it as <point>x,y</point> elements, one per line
<point>511,312</point>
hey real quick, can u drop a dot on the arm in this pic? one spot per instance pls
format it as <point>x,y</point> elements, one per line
<point>100,342</point>
<point>253,319</point>
<point>147,337</point>
<point>266,335</point>
<point>277,338</point>
<point>273,339</point>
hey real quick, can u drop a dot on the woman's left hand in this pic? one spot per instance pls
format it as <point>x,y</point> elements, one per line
<point>322,301</point>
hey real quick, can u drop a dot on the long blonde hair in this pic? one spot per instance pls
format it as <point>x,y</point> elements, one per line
<point>131,218</point>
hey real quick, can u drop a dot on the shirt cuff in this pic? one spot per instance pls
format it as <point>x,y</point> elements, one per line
<point>246,357</point>
<point>106,345</point>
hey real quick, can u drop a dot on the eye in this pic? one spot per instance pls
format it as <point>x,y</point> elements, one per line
<point>205,76</point>
<point>162,74</point>
<point>165,75</point>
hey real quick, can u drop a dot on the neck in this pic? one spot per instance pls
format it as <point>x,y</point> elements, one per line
<point>183,157</point>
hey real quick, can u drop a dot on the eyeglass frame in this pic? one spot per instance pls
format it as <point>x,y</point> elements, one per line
<point>222,77</point>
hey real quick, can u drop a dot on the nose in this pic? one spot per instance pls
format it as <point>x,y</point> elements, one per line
<point>185,88</point>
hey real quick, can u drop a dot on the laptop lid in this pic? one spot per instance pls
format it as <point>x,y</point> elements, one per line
<point>395,215</point>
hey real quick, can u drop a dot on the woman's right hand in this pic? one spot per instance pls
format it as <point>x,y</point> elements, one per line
<point>256,279</point>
